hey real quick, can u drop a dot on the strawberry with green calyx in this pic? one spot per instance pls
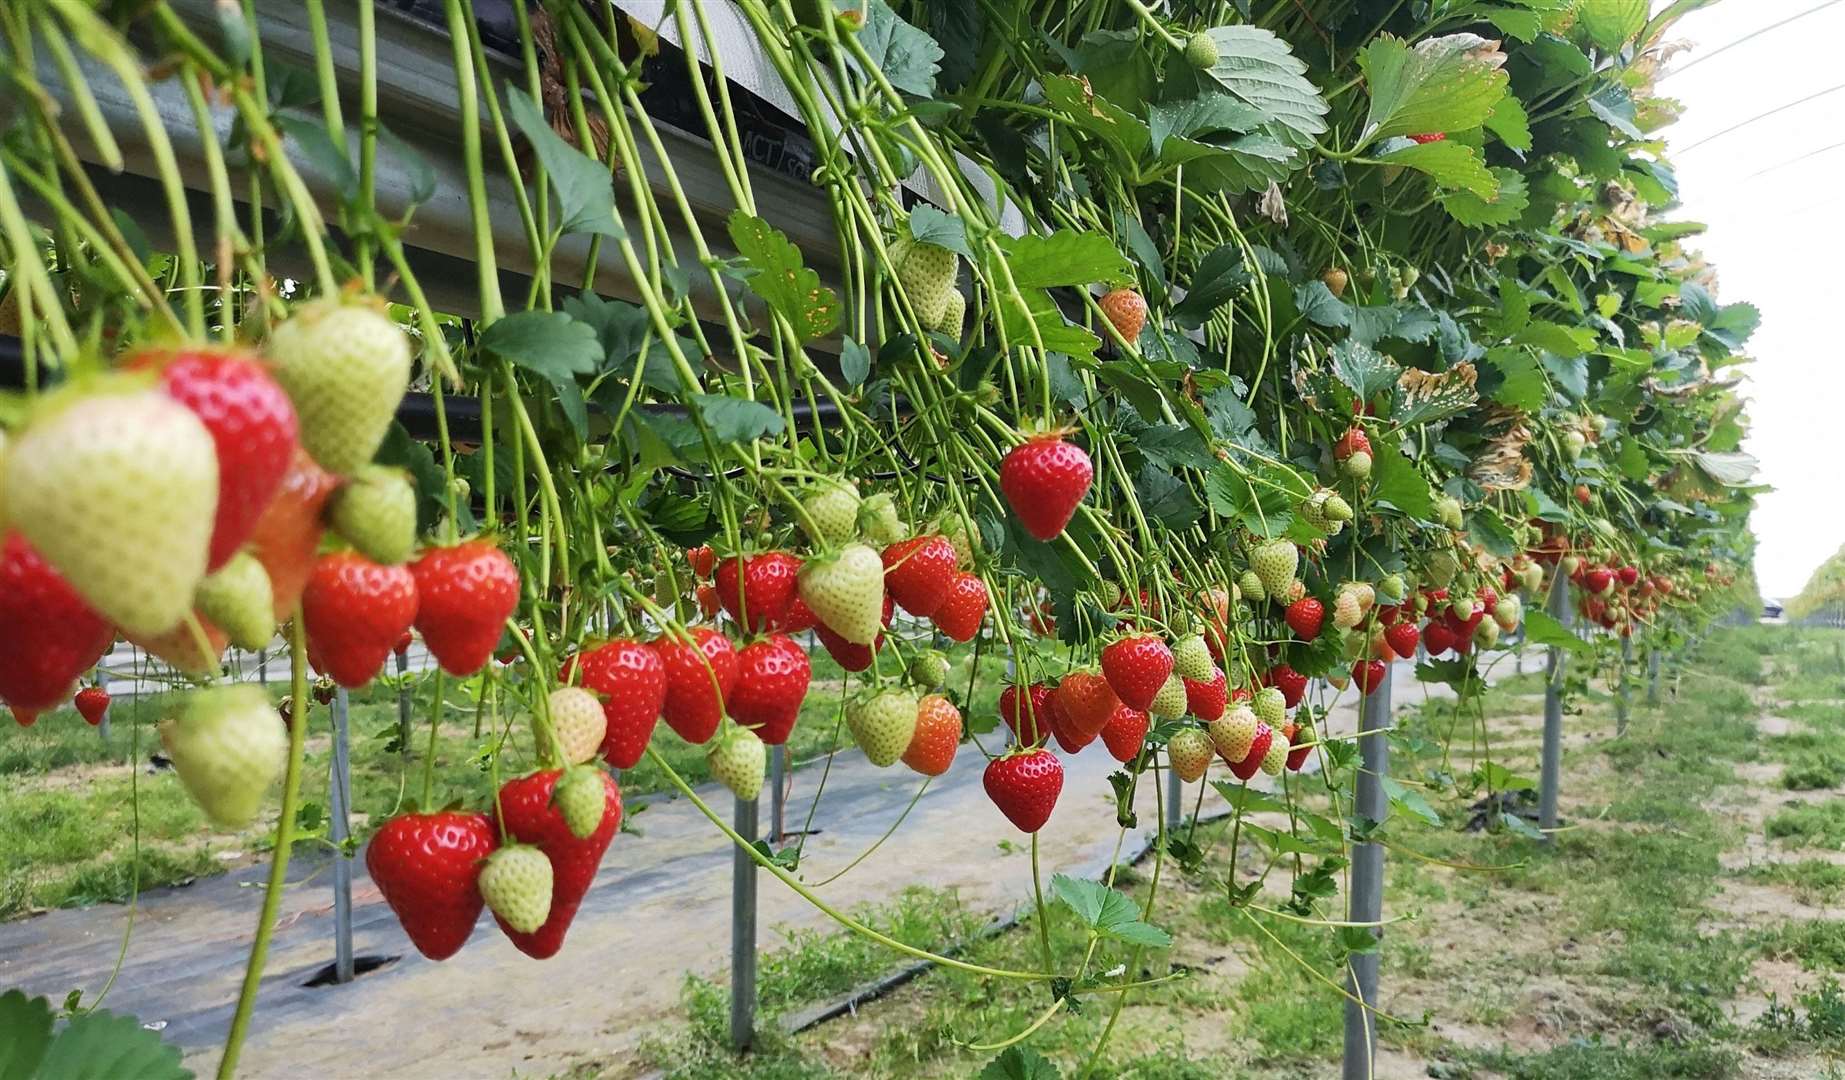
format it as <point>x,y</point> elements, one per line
<point>1126,732</point>
<point>1044,479</point>
<point>1393,589</point>
<point>465,595</point>
<point>879,521</point>
<point>737,759</point>
<point>1300,745</point>
<point>1027,711</point>
<point>1024,785</point>
<point>1335,281</point>
<point>1250,585</point>
<point>1358,466</point>
<point>1402,637</point>
<point>581,799</point>
<point>965,540</point>
<point>1247,768</point>
<point>1206,699</point>
<point>1234,733</point>
<point>228,747</point>
<point>1304,617</point>
<point>919,573</point>
<point>845,591</point>
<point>1275,563</point>
<point>1191,658</point>
<point>117,489</point>
<point>346,366</point>
<point>772,680</point>
<point>850,655</point>
<point>1189,753</point>
<point>529,815</point>
<point>883,725</point>
<point>938,734</point>
<point>954,318</point>
<point>831,511</point>
<point>428,868</point>
<point>1169,703</point>
<point>375,511</point>
<point>239,598</point>
<point>577,722</point>
<point>354,611</point>
<point>1270,705</point>
<point>631,680</point>
<point>1201,50</point>
<point>926,272</point>
<point>92,704</point>
<point>699,676</point>
<point>1448,512</point>
<point>1085,701</point>
<point>1275,758</point>
<point>1136,668</point>
<point>929,669</point>
<point>1126,311</point>
<point>961,613</point>
<point>1509,613</point>
<point>48,635</point>
<point>756,590</point>
<point>516,884</point>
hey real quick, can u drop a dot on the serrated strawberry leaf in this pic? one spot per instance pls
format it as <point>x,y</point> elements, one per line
<point>1020,1063</point>
<point>584,186</point>
<point>908,57</point>
<point>1106,911</point>
<point>25,1034</point>
<point>1363,370</point>
<point>105,1045</point>
<point>782,279</point>
<point>932,226</point>
<point>1065,257</point>
<point>1449,163</point>
<point>1442,84</point>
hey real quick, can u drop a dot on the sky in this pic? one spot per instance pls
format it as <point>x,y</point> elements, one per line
<point>1777,226</point>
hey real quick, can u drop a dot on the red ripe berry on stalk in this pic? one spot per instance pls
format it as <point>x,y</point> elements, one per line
<point>92,703</point>
<point>1429,137</point>
<point>427,865</point>
<point>529,812</point>
<point>48,635</point>
<point>354,611</point>
<point>631,679</point>
<point>1353,441</point>
<point>919,573</point>
<point>1305,616</point>
<point>1291,683</point>
<point>699,677</point>
<point>772,678</point>
<point>756,590</point>
<point>1136,667</point>
<point>1369,674</point>
<point>465,594</point>
<point>1044,479</point>
<point>1027,711</point>
<point>962,611</point>
<point>1025,787</point>
<point>1127,312</point>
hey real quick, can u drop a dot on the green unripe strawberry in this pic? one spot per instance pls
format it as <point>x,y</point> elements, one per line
<point>926,272</point>
<point>954,316</point>
<point>832,514</point>
<point>966,542</point>
<point>1270,706</point>
<point>1169,703</point>
<point>1313,510</point>
<point>1275,563</point>
<point>375,512</point>
<point>1234,733</point>
<point>1275,759</point>
<point>345,365</point>
<point>1337,510</point>
<point>1191,658</point>
<point>228,747</point>
<point>1358,466</point>
<point>1532,578</point>
<point>516,883</point>
<point>1573,444</point>
<point>1448,511</point>
<point>1250,585</point>
<point>737,759</point>
<point>1201,50</point>
<point>1393,589</point>
<point>929,669</point>
<point>879,521</point>
<point>846,592</point>
<point>581,800</point>
<point>1189,753</point>
<point>883,725</point>
<point>578,721</point>
<point>241,600</point>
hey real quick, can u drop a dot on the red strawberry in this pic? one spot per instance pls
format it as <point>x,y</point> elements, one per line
<point>1402,638</point>
<point>1352,442</point>
<point>354,611</point>
<point>531,816</point>
<point>772,678</point>
<point>800,617</point>
<point>1207,700</point>
<point>632,682</point>
<point>1387,614</point>
<point>1136,667</point>
<point>48,635</point>
<point>698,679</point>
<point>701,559</point>
<point>287,536</point>
<point>1305,616</point>
<point>961,613</point>
<point>92,702</point>
<point>1300,746</point>
<point>1429,137</point>
<point>1628,574</point>
<point>1066,732</point>
<point>1436,637</point>
<point>919,572</point>
<point>404,641</point>
<point>465,595</point>
<point>1027,711</point>
<point>938,734</point>
<point>1258,750</point>
<point>1044,479</point>
<point>426,866</point>
<point>760,599</point>
<point>1025,787</point>
<point>1125,732</point>
<point>22,716</point>
<point>847,654</point>
<point>1369,675</point>
<point>708,601</point>
<point>1598,580</point>
<point>1291,683</point>
<point>1087,701</point>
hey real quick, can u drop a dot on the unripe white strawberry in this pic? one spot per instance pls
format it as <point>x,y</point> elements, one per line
<point>516,882</point>
<point>1508,613</point>
<point>240,599</point>
<point>1358,466</point>
<point>1191,658</point>
<point>1169,703</point>
<point>1250,585</point>
<point>1275,759</point>
<point>1234,733</point>
<point>846,592</point>
<point>879,521</point>
<point>883,725</point>
<point>1189,753</point>
<point>1275,563</point>
<point>929,669</point>
<point>228,747</point>
<point>579,722</point>
<point>737,760</point>
<point>375,512</point>
<point>832,514</point>
<point>1270,706</point>
<point>582,800</point>
<point>345,365</point>
<point>1346,611</point>
<point>926,272</point>
<point>954,315</point>
<point>118,492</point>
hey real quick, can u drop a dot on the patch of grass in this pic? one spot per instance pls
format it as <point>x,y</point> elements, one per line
<point>1598,1060</point>
<point>1817,944</point>
<point>1813,773</point>
<point>1784,1028</point>
<point>1812,880</point>
<point>1810,824</point>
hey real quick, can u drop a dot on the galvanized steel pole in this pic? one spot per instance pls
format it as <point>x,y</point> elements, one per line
<point>339,798</point>
<point>743,933</point>
<point>1552,766</point>
<point>1621,701</point>
<point>1366,903</point>
<point>778,795</point>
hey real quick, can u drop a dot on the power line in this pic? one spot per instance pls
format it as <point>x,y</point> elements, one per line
<point>1746,37</point>
<point>1795,161</point>
<point>1761,116</point>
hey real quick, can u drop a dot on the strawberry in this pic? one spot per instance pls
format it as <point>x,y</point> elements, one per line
<point>929,669</point>
<point>467,592</point>
<point>960,536</point>
<point>846,592</point>
<point>1026,710</point>
<point>1369,675</point>
<point>757,590</point>
<point>1304,616</point>
<point>1191,658</point>
<point>879,521</point>
<point>1169,703</point>
<point>579,796</point>
<point>253,428</point>
<point>354,611</point>
<point>1429,137</point>
<point>772,678</point>
<point>1437,638</point>
<point>1628,575</point>
<point>1258,752</point>
<point>699,677</point>
<point>1354,441</point>
<point>632,682</point>
<point>1137,668</point>
<point>702,560</point>
<point>1087,702</point>
<point>1274,563</point>
<point>516,884</point>
<point>92,704</point>
<point>832,514</point>
<point>1125,732</point>
<point>427,866</point>
<point>1271,706</point>
<point>737,760</point>
<point>1126,309</point>
<point>1066,733</point>
<point>1402,638</point>
<point>1207,698</point>
<point>240,600</point>
<point>1508,612</point>
<point>883,725</point>
<point>1291,683</point>
<point>375,511</point>
<point>1025,785</point>
<point>962,612</point>
<point>578,723</point>
<point>198,654</point>
<point>228,747</point>
<point>1233,733</point>
<point>528,815</point>
<point>1598,580</point>
<point>850,656</point>
<point>48,635</point>
<point>919,573</point>
<point>1189,753</point>
<point>938,734</point>
<point>1346,613</point>
<point>346,366</point>
<point>1275,759</point>
<point>1249,583</point>
<point>1300,745</point>
<point>800,617</point>
<point>926,272</point>
<point>1335,281</point>
<point>954,321</point>
<point>1044,479</point>
<point>117,491</point>
<point>287,536</point>
<point>1583,494</point>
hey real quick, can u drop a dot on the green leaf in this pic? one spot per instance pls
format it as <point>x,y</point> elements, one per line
<point>1146,254</point>
<point>1065,257</point>
<point>1106,911</point>
<point>1122,130</point>
<point>1207,113</point>
<point>1516,23</point>
<point>1363,370</point>
<point>1611,24</point>
<point>932,226</point>
<point>1176,445</point>
<point>550,344</point>
<point>107,1046</point>
<point>1260,71</point>
<point>1263,509</point>
<point>25,1033</point>
<point>1165,498</point>
<point>1396,482</point>
<point>1319,306</point>
<point>1410,800</point>
<point>737,420</point>
<point>1279,842</point>
<point>1615,106</point>
<point>854,363</point>
<point>1522,383</point>
<point>327,158</point>
<point>1541,629</point>
<point>1058,333</point>
<point>1733,469</point>
<point>1249,800</point>
<point>908,57</point>
<point>1020,1063</point>
<point>1449,163</point>
<point>585,190</point>
<point>1220,276</point>
<point>1496,777</point>
<point>1443,84</point>
<point>1519,825</point>
<point>780,277</point>
<point>1557,339</point>
<point>1508,121</point>
<point>1506,206</point>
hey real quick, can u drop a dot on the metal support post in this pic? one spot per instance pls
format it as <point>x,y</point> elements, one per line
<point>1652,675</point>
<point>262,666</point>
<point>778,792</point>
<point>1621,699</point>
<point>340,791</point>
<point>1175,794</point>
<point>743,934</point>
<point>1366,903</point>
<point>1552,767</point>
